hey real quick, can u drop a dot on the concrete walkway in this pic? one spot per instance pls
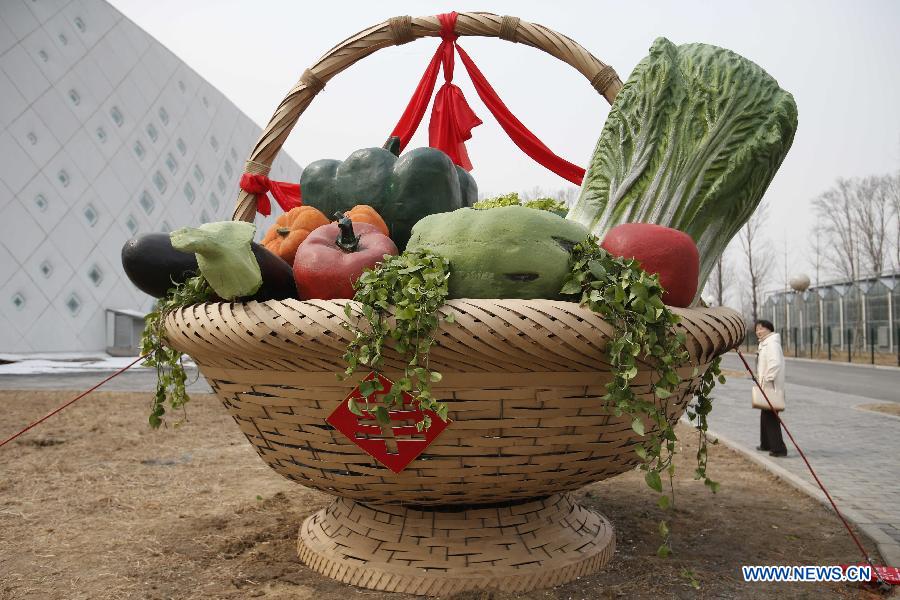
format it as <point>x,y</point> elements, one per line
<point>855,452</point>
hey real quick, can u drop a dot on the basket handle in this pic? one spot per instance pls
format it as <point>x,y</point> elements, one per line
<point>394,32</point>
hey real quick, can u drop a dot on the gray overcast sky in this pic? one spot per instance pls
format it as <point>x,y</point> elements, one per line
<point>838,59</point>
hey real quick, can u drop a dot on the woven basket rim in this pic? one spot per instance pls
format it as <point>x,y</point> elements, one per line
<point>504,332</point>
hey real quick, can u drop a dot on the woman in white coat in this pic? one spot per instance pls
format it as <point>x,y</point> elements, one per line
<point>770,374</point>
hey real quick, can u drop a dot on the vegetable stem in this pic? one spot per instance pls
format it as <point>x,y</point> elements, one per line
<point>347,241</point>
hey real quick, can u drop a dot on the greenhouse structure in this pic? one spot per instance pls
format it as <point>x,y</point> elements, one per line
<point>861,314</point>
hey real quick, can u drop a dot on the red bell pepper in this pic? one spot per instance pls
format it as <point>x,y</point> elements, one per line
<point>332,257</point>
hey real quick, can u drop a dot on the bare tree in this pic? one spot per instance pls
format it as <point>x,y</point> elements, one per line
<point>567,195</point>
<point>815,242</point>
<point>892,185</point>
<point>872,217</point>
<point>720,279</point>
<point>758,256</point>
<point>835,209</point>
<point>533,194</point>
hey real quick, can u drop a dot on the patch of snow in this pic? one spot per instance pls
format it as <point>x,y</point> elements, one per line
<point>41,365</point>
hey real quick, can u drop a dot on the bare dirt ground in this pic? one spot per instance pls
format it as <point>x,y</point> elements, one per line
<point>94,505</point>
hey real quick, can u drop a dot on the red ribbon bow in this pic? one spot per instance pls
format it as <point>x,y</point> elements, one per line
<point>287,195</point>
<point>452,120</point>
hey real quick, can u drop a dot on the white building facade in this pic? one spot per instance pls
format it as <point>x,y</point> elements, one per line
<point>104,135</point>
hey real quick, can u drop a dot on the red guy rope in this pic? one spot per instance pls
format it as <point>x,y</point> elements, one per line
<point>79,397</point>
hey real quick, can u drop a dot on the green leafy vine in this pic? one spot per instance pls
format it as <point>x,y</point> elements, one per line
<point>414,285</point>
<point>512,199</point>
<point>170,374</point>
<point>631,300</point>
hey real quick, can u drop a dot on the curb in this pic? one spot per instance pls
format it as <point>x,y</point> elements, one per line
<point>820,361</point>
<point>887,547</point>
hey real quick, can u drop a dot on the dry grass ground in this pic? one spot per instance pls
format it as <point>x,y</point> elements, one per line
<point>95,506</point>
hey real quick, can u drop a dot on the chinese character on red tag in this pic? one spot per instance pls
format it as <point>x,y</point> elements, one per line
<point>395,445</point>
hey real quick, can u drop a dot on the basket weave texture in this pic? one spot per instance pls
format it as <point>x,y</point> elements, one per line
<point>524,381</point>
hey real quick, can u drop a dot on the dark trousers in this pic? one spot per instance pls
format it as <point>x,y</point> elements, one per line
<point>770,433</point>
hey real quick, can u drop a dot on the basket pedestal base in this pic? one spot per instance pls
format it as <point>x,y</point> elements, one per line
<point>514,547</point>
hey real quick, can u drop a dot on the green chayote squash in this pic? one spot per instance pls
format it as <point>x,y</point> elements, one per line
<point>504,252</point>
<point>402,189</point>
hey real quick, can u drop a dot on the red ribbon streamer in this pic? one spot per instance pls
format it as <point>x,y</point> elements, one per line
<point>517,132</point>
<point>287,195</point>
<point>452,119</point>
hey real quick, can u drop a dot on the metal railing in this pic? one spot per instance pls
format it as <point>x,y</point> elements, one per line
<point>852,347</point>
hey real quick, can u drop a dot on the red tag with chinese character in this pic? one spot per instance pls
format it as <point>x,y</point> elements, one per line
<point>395,445</point>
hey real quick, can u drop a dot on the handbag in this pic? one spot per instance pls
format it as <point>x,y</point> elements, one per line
<point>776,397</point>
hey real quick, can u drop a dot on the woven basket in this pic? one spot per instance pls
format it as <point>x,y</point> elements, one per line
<point>523,379</point>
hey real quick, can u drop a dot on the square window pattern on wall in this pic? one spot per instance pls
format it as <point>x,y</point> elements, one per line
<point>76,305</point>
<point>97,276</point>
<point>117,116</point>
<point>91,216</point>
<point>159,181</point>
<point>48,269</point>
<point>23,301</point>
<point>64,175</point>
<point>43,202</point>
<point>189,193</point>
<point>171,163</point>
<point>147,203</point>
<point>132,224</point>
<point>104,135</point>
<point>78,96</point>
<point>34,137</point>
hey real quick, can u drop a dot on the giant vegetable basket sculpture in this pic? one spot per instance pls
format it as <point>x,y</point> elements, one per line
<point>487,504</point>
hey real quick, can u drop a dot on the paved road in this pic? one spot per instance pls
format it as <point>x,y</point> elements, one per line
<point>877,384</point>
<point>855,452</point>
